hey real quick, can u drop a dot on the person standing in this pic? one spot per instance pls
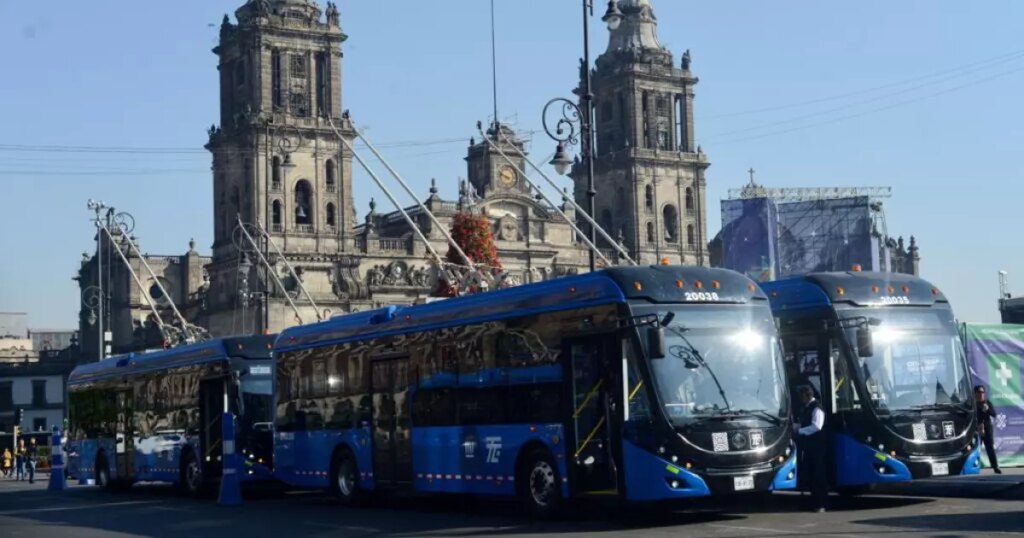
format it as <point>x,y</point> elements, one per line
<point>811,439</point>
<point>19,461</point>
<point>31,459</point>
<point>986,426</point>
<point>7,461</point>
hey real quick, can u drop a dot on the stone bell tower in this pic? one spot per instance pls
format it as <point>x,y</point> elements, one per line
<point>649,170</point>
<point>277,154</point>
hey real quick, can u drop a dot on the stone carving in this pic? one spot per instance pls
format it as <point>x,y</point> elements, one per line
<point>333,17</point>
<point>345,282</point>
<point>398,274</point>
<point>508,228</point>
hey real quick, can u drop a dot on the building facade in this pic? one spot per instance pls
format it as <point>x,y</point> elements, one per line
<point>649,169</point>
<point>281,163</point>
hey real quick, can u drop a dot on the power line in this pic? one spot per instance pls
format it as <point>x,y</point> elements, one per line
<point>855,104</point>
<point>876,110</point>
<point>1000,58</point>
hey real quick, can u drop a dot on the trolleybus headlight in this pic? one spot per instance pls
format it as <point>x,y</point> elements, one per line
<point>675,459</point>
<point>789,450</point>
<point>661,450</point>
<point>881,448</point>
<point>791,475</point>
<point>689,465</point>
<point>782,459</point>
<point>675,484</point>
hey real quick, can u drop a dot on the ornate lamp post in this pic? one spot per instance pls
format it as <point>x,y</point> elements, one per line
<point>575,122</point>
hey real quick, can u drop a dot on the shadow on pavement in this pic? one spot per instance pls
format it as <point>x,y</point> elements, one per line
<point>160,511</point>
<point>962,524</point>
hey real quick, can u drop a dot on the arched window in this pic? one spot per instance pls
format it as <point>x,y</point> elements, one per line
<point>650,232</point>
<point>690,240</point>
<point>303,197</point>
<point>331,182</point>
<point>649,197</point>
<point>689,199</point>
<point>671,216</point>
<point>275,214</point>
<point>330,215</point>
<point>275,174</point>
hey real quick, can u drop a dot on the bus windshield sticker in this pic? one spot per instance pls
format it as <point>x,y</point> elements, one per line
<point>720,441</point>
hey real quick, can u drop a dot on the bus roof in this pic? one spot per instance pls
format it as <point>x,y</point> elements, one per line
<point>616,285</point>
<point>249,347</point>
<point>868,288</point>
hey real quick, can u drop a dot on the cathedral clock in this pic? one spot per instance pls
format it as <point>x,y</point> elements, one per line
<point>507,177</point>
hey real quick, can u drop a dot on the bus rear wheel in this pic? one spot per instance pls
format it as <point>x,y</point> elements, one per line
<point>539,484</point>
<point>345,479</point>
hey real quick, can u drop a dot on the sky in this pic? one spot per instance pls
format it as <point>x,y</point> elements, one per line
<point>111,100</point>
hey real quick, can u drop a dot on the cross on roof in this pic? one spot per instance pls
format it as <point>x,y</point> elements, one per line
<point>751,172</point>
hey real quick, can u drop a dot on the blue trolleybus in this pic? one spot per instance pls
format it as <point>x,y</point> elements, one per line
<point>883,353</point>
<point>156,416</point>
<point>646,384</point>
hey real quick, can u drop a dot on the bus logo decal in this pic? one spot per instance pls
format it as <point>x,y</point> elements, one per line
<point>469,446</point>
<point>756,439</point>
<point>947,429</point>
<point>493,445</point>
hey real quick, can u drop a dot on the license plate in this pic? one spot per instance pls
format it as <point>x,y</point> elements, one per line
<point>742,483</point>
<point>940,469</point>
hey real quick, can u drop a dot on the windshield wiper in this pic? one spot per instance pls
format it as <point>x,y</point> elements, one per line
<point>760,413</point>
<point>695,355</point>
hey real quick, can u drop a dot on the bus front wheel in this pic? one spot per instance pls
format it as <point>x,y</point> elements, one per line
<point>539,484</point>
<point>345,482</point>
<point>103,473</point>
<point>191,474</point>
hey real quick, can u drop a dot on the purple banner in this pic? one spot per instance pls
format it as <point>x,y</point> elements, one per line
<point>996,354</point>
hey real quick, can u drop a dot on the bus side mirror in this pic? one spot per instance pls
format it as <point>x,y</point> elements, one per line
<point>865,346</point>
<point>656,342</point>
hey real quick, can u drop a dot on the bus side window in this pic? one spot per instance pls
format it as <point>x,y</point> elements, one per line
<point>803,366</point>
<point>844,391</point>
<point>638,410</point>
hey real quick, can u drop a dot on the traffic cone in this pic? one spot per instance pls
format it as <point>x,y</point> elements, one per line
<point>57,481</point>
<point>230,481</point>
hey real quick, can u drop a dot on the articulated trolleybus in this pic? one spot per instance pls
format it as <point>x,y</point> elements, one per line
<point>648,384</point>
<point>884,354</point>
<point>156,416</point>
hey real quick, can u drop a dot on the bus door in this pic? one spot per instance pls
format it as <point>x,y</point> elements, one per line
<point>808,363</point>
<point>594,426</point>
<point>392,436</point>
<point>212,404</point>
<point>124,438</point>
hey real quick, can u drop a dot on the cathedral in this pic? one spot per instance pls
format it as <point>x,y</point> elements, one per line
<point>280,159</point>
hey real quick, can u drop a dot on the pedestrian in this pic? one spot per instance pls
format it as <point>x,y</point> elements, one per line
<point>986,427</point>
<point>811,442</point>
<point>6,461</point>
<point>31,459</point>
<point>19,461</point>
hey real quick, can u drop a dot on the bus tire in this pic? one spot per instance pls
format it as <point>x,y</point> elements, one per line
<point>103,473</point>
<point>191,474</point>
<point>345,479</point>
<point>540,487</point>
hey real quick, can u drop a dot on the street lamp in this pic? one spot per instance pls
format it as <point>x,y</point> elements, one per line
<point>581,117</point>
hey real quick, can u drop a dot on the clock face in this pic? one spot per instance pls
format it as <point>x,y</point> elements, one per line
<point>507,176</point>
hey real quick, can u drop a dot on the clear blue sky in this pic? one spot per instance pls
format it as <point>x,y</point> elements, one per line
<point>124,73</point>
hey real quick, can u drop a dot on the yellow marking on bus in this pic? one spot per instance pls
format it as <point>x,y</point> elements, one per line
<point>636,389</point>
<point>673,469</point>
<point>589,437</point>
<point>586,400</point>
<point>841,381</point>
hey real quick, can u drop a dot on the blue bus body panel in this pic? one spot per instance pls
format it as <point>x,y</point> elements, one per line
<point>480,459</point>
<point>973,463</point>
<point>857,464</point>
<point>550,296</point>
<point>795,294</point>
<point>303,458</point>
<point>649,478</point>
<point>782,480</point>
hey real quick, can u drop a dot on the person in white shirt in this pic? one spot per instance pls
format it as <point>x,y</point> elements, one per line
<point>811,442</point>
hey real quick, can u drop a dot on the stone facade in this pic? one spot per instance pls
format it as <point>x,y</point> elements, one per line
<point>649,171</point>
<point>280,159</point>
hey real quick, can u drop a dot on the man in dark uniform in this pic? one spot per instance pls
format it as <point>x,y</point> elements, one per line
<point>986,427</point>
<point>811,442</point>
